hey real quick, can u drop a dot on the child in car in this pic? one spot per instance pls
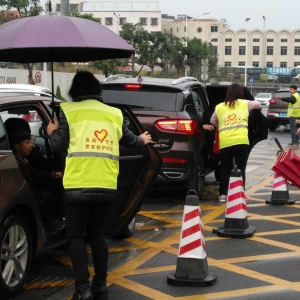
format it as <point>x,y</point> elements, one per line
<point>40,181</point>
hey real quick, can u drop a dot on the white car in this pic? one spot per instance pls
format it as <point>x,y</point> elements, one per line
<point>264,98</point>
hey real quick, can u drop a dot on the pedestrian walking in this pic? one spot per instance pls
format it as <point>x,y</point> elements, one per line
<point>293,113</point>
<point>90,176</point>
<point>231,118</point>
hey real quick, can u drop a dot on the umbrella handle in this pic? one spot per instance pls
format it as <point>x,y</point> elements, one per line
<point>278,144</point>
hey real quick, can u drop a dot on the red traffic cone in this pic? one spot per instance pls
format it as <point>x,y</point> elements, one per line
<point>192,267</point>
<point>236,222</point>
<point>280,192</point>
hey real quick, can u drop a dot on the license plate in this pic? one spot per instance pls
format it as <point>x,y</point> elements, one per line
<point>283,114</point>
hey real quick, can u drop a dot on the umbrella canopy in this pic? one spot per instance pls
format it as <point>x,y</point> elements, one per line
<point>55,38</point>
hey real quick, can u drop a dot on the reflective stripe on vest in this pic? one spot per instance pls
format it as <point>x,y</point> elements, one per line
<point>233,123</point>
<point>294,109</point>
<point>93,153</point>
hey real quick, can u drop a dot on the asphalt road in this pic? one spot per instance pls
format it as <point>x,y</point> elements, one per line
<point>262,267</point>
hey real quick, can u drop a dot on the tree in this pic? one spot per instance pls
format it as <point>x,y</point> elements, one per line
<point>25,8</point>
<point>137,37</point>
<point>108,66</point>
<point>225,24</point>
<point>91,17</point>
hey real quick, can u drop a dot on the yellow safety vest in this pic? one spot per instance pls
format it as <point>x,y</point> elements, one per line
<point>93,153</point>
<point>294,109</point>
<point>233,123</point>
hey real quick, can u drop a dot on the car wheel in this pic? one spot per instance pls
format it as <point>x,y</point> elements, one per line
<point>200,175</point>
<point>16,254</point>
<point>129,230</point>
<point>272,126</point>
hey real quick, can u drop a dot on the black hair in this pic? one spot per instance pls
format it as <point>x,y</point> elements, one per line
<point>17,137</point>
<point>84,84</point>
<point>234,92</point>
<point>293,87</point>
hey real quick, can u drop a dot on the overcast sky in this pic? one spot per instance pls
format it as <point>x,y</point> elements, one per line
<point>280,14</point>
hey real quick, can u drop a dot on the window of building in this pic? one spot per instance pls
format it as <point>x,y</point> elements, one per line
<point>215,49</point>
<point>227,64</point>
<point>269,64</point>
<point>57,7</point>
<point>74,7</point>
<point>241,64</point>
<point>255,50</point>
<point>283,50</point>
<point>284,40</point>
<point>228,40</point>
<point>184,28</point>
<point>296,64</point>
<point>242,50</point>
<point>214,40</point>
<point>154,21</point>
<point>270,50</point>
<point>171,30</point>
<point>242,40</point>
<point>214,28</point>
<point>228,50</point>
<point>270,40</point>
<point>297,51</point>
<point>255,40</point>
<point>108,21</point>
<point>177,29</point>
<point>165,30</point>
<point>122,21</point>
<point>143,21</point>
<point>283,65</point>
<point>297,40</point>
<point>255,64</point>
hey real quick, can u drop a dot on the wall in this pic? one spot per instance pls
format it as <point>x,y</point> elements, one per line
<point>42,78</point>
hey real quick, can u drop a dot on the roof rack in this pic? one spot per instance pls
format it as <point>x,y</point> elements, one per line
<point>117,76</point>
<point>184,79</point>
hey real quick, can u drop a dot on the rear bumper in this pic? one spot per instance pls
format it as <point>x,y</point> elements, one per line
<point>278,120</point>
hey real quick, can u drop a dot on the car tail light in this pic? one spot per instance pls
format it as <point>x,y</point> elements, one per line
<point>132,86</point>
<point>26,117</point>
<point>180,126</point>
<point>34,117</point>
<point>170,160</point>
<point>273,101</point>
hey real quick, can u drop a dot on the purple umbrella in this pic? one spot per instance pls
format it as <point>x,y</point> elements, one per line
<point>54,38</point>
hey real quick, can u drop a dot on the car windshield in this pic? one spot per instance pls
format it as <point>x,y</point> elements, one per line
<point>282,94</point>
<point>263,96</point>
<point>161,101</point>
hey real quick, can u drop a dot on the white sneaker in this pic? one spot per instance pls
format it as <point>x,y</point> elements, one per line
<point>222,199</point>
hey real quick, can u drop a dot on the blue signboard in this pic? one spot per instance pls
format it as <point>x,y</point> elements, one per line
<point>251,79</point>
<point>279,71</point>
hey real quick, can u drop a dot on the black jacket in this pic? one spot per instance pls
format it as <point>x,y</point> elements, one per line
<point>59,140</point>
<point>290,99</point>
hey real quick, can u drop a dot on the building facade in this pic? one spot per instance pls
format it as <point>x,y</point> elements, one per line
<point>256,48</point>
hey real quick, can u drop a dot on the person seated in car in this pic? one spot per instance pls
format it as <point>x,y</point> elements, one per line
<point>40,181</point>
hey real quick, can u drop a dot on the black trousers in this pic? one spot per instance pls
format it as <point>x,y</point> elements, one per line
<point>87,219</point>
<point>240,154</point>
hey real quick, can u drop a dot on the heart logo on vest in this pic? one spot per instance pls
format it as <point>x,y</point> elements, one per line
<point>231,117</point>
<point>101,135</point>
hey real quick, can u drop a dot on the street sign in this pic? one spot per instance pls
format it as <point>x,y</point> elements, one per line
<point>204,68</point>
<point>204,61</point>
<point>251,79</point>
<point>204,76</point>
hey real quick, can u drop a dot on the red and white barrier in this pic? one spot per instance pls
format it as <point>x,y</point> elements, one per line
<point>279,183</point>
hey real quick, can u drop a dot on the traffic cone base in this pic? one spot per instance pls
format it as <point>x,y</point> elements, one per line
<point>236,222</point>
<point>280,192</point>
<point>191,272</point>
<point>192,267</point>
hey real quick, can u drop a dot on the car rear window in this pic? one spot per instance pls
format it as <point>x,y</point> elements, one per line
<point>148,100</point>
<point>263,96</point>
<point>283,94</point>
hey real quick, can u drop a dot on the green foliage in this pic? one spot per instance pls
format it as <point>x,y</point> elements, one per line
<point>230,76</point>
<point>24,7</point>
<point>59,95</point>
<point>91,17</point>
<point>264,77</point>
<point>109,66</point>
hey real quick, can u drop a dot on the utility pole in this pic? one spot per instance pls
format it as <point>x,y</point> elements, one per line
<point>64,7</point>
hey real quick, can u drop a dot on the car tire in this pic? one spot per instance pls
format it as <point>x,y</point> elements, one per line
<point>16,255</point>
<point>200,174</point>
<point>272,126</point>
<point>129,230</point>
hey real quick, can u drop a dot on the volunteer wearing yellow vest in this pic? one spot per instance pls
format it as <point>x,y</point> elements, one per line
<point>293,113</point>
<point>89,134</point>
<point>231,118</point>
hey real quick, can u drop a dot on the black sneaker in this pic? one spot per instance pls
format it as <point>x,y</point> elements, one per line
<point>54,223</point>
<point>84,295</point>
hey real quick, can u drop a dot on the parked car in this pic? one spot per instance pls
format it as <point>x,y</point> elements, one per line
<point>22,230</point>
<point>277,110</point>
<point>264,98</point>
<point>174,112</point>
